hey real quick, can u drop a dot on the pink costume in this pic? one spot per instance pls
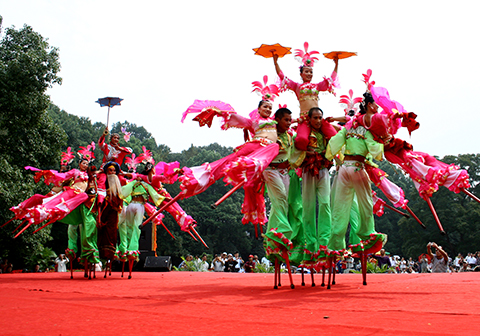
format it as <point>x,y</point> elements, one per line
<point>247,163</point>
<point>38,208</point>
<point>165,173</point>
<point>306,91</point>
<point>426,172</point>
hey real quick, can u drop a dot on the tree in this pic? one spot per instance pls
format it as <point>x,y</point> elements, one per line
<point>28,66</point>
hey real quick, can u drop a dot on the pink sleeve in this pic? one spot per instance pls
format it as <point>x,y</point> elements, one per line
<point>237,121</point>
<point>324,85</point>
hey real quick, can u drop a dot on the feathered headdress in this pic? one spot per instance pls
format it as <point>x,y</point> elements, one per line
<point>126,135</point>
<point>133,162</point>
<point>146,156</point>
<point>67,157</point>
<point>366,79</point>
<point>306,57</point>
<point>268,92</point>
<point>350,102</point>
<point>86,153</point>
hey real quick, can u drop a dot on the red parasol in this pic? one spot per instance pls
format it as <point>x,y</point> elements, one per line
<point>268,50</point>
<point>339,54</point>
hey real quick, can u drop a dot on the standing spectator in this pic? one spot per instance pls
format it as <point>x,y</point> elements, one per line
<point>217,264</point>
<point>203,264</point>
<point>230,264</point>
<point>249,265</point>
<point>61,262</point>
<point>423,264</point>
<point>402,265</point>
<point>382,259</point>
<point>471,260</point>
<point>439,259</point>
<point>255,259</point>
<point>239,262</point>
<point>458,261</point>
<point>349,263</point>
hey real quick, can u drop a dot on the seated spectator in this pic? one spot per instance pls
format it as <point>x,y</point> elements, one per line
<point>183,264</point>
<point>6,267</point>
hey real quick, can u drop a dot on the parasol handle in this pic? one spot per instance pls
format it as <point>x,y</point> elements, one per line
<point>108,115</point>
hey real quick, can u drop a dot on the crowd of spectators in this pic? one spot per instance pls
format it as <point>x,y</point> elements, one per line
<point>436,260</point>
<point>224,262</point>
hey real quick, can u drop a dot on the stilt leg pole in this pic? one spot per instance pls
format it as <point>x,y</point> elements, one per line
<point>227,195</point>
<point>429,202</point>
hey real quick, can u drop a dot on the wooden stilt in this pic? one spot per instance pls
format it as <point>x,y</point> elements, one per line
<point>468,193</point>
<point>21,231</point>
<point>173,200</point>
<point>313,280</point>
<point>324,268</point>
<point>396,210</point>
<point>50,222</point>
<point>123,267</point>
<point>196,233</point>
<point>275,274</point>
<point>416,218</point>
<point>227,195</point>
<point>8,222</point>
<point>430,205</point>
<point>364,267</point>
<point>287,261</point>
<point>130,267</point>
<point>18,227</point>
<point>303,275</point>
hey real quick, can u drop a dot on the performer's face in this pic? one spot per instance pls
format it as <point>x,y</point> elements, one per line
<point>373,107</point>
<point>284,123</point>
<point>307,74</point>
<point>115,139</point>
<point>111,170</point>
<point>316,120</point>
<point>265,110</point>
<point>83,165</point>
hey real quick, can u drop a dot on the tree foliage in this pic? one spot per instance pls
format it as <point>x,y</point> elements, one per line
<point>28,66</point>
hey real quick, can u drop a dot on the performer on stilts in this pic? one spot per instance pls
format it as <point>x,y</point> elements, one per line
<point>245,165</point>
<point>277,180</point>
<point>315,188</point>
<point>110,209</point>
<point>353,180</point>
<point>426,172</point>
<point>135,194</point>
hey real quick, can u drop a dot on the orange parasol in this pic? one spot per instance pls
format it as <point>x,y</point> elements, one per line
<point>339,54</point>
<point>268,50</point>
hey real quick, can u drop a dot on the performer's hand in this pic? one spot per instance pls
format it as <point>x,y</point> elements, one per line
<point>105,132</point>
<point>275,58</point>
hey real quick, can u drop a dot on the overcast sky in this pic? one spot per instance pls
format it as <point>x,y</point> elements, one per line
<point>160,56</point>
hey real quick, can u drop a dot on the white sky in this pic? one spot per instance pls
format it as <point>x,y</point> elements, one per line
<point>160,56</point>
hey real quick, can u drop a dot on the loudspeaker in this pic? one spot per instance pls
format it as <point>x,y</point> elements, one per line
<point>159,264</point>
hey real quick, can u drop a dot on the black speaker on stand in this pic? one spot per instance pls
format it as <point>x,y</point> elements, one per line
<point>158,264</point>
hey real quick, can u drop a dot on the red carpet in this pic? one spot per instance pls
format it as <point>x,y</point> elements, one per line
<point>186,303</point>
